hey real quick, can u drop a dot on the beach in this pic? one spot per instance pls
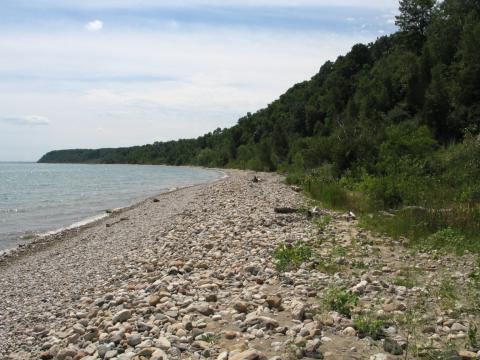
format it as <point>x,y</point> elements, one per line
<point>190,274</point>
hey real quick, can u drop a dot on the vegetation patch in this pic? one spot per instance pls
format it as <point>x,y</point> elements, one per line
<point>288,257</point>
<point>369,325</point>
<point>340,300</point>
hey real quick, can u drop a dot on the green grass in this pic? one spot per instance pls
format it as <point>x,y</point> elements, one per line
<point>369,325</point>
<point>472,336</point>
<point>448,231</point>
<point>289,257</point>
<point>407,277</point>
<point>447,292</point>
<point>328,267</point>
<point>323,222</point>
<point>340,300</point>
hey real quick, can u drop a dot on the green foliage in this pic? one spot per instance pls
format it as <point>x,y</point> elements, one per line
<point>415,15</point>
<point>288,257</point>
<point>391,125</point>
<point>340,300</point>
<point>472,336</point>
<point>446,239</point>
<point>323,222</point>
<point>369,325</point>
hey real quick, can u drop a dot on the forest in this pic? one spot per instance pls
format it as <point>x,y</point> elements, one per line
<point>390,131</point>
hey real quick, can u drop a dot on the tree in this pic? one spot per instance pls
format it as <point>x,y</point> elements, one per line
<point>415,16</point>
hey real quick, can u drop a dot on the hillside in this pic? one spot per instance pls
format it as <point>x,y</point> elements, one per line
<point>392,127</point>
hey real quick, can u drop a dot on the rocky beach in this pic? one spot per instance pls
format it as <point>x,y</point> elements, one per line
<point>197,274</point>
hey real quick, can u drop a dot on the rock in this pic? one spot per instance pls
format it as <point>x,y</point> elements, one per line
<point>274,301</point>
<point>298,310</point>
<point>459,327</point>
<point>380,356</point>
<point>349,331</point>
<point>253,319</point>
<point>393,347</point>
<point>241,307</point>
<point>223,356</point>
<point>121,316</point>
<point>202,308</point>
<point>66,353</point>
<point>159,355</point>
<point>230,335</point>
<point>153,300</point>
<point>163,343</point>
<point>464,354</point>
<point>360,287</point>
<point>248,355</point>
<point>134,339</point>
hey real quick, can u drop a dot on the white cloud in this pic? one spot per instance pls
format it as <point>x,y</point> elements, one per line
<point>224,3</point>
<point>95,25</point>
<point>29,120</point>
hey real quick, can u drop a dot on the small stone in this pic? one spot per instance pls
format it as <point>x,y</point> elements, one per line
<point>392,347</point>
<point>241,306</point>
<point>230,335</point>
<point>159,355</point>
<point>163,343</point>
<point>349,331</point>
<point>153,300</point>
<point>121,316</point>
<point>298,310</point>
<point>134,339</point>
<point>459,327</point>
<point>464,354</point>
<point>274,301</point>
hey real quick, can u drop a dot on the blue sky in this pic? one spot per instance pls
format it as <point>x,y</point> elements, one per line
<point>107,73</point>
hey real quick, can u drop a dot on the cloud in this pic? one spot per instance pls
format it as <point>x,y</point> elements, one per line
<point>95,25</point>
<point>30,120</point>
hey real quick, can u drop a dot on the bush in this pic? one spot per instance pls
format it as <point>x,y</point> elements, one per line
<point>288,257</point>
<point>368,325</point>
<point>341,301</point>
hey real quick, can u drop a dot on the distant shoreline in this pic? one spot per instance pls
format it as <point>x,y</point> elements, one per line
<point>42,237</point>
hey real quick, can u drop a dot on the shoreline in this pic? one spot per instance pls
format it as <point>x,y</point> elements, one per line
<point>44,239</point>
<point>196,275</point>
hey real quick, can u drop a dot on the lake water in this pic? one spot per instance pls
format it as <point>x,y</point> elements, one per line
<point>38,198</point>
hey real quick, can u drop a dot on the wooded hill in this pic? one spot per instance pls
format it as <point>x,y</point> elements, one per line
<point>391,125</point>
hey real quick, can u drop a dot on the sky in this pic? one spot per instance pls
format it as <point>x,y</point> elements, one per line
<point>110,73</point>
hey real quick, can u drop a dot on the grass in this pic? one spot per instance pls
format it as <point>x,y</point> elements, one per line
<point>323,222</point>
<point>328,267</point>
<point>340,300</point>
<point>447,292</point>
<point>472,336</point>
<point>407,277</point>
<point>369,325</point>
<point>289,257</point>
<point>210,338</point>
<point>449,231</point>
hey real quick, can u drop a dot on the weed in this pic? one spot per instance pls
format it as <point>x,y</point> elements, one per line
<point>288,257</point>
<point>369,325</point>
<point>339,251</point>
<point>323,222</point>
<point>407,277</point>
<point>340,300</point>
<point>472,336</point>
<point>328,267</point>
<point>447,293</point>
<point>210,338</point>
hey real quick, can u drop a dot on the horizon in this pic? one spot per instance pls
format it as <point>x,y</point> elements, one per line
<point>111,73</point>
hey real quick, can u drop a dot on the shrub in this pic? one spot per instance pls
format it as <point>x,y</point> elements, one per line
<point>368,325</point>
<point>288,257</point>
<point>446,239</point>
<point>340,300</point>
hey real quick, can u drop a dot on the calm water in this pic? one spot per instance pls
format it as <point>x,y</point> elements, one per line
<point>37,198</point>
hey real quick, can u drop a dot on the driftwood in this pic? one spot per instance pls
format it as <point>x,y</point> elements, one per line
<point>286,210</point>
